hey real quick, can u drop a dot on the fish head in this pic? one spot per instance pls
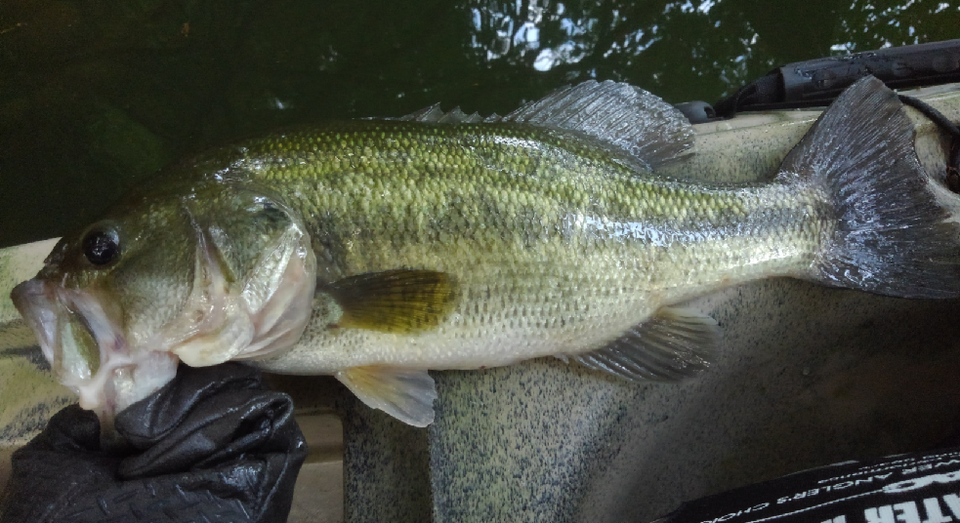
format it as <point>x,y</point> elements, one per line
<point>200,274</point>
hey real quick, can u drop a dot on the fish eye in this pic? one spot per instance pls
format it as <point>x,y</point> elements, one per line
<point>101,246</point>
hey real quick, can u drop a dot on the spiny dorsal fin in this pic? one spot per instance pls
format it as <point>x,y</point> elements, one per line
<point>676,343</point>
<point>405,394</point>
<point>435,115</point>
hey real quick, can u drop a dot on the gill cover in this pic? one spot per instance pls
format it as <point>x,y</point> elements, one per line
<point>254,280</point>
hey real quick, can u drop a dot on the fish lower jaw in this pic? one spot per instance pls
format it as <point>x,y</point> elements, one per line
<point>121,381</point>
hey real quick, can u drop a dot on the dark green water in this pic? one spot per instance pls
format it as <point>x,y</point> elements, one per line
<point>95,95</point>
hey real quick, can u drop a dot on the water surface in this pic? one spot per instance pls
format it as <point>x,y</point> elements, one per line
<point>95,96</point>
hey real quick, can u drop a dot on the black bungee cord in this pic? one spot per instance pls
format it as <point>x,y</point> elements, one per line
<point>950,128</point>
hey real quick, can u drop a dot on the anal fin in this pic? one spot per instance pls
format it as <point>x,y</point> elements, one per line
<point>406,394</point>
<point>674,344</point>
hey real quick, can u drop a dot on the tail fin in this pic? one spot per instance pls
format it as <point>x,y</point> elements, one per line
<point>892,237</point>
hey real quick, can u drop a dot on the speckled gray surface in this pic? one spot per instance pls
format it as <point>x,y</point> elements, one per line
<point>385,466</point>
<point>809,376</point>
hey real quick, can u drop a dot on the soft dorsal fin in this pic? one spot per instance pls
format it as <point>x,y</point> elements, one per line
<point>620,115</point>
<point>676,343</point>
<point>628,117</point>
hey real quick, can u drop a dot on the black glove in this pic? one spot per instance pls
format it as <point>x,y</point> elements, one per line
<point>212,445</point>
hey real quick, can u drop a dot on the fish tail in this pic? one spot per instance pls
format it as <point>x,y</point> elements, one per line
<point>894,233</point>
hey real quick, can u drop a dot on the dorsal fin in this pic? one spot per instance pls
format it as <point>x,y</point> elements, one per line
<point>617,114</point>
<point>620,114</point>
<point>435,115</point>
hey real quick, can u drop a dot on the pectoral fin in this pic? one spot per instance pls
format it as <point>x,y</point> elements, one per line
<point>406,394</point>
<point>674,344</point>
<point>398,301</point>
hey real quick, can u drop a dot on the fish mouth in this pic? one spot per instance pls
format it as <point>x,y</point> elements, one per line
<point>87,350</point>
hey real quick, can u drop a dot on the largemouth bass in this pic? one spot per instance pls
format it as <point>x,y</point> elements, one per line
<point>375,250</point>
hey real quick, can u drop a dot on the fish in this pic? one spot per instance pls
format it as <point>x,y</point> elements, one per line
<point>377,250</point>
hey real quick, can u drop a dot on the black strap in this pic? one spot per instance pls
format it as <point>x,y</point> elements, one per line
<point>817,82</point>
<point>950,128</point>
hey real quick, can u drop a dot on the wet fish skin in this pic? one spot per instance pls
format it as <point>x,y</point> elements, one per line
<point>539,229</point>
<point>375,250</point>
